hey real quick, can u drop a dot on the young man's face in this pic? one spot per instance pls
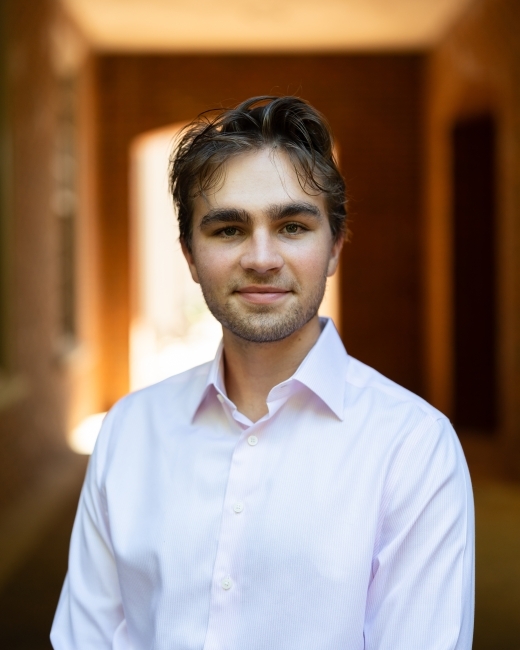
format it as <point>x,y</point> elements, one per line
<point>262,248</point>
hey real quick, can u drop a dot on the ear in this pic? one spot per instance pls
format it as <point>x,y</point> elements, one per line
<point>334,256</point>
<point>191,261</point>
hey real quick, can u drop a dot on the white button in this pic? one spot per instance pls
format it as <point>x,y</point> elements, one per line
<point>238,507</point>
<point>227,583</point>
<point>220,398</point>
<point>252,440</point>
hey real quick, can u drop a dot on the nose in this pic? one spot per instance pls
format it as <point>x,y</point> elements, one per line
<point>261,253</point>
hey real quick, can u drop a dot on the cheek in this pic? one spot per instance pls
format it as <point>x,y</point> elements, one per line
<point>212,265</point>
<point>309,262</point>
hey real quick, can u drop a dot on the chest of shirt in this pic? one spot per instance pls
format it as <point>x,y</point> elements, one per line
<point>301,498</point>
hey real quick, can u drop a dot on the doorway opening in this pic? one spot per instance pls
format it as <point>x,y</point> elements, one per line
<point>474,309</point>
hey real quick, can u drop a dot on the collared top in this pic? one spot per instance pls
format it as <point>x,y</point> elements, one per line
<point>341,520</point>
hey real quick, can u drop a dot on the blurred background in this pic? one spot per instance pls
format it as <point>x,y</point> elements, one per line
<point>424,99</point>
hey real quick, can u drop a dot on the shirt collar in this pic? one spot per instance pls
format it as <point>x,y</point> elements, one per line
<point>323,371</point>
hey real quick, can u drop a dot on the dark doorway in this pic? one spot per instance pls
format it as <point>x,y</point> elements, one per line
<point>473,142</point>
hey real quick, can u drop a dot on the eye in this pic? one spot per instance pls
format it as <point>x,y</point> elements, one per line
<point>293,228</point>
<point>230,231</point>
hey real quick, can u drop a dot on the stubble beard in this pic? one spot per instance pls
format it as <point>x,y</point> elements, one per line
<point>263,323</point>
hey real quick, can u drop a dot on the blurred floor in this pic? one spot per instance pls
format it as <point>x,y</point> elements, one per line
<point>28,600</point>
<point>497,608</point>
<point>497,511</point>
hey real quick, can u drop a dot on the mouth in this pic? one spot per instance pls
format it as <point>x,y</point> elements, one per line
<point>262,294</point>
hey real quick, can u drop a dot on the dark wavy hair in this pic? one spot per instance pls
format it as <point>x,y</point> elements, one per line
<point>289,123</point>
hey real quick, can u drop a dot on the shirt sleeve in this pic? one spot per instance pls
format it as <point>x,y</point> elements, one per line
<point>421,595</point>
<point>90,612</point>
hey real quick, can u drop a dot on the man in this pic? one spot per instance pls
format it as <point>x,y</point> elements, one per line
<point>284,496</point>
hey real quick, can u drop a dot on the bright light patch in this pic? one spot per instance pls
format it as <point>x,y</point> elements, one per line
<point>84,436</point>
<point>171,328</point>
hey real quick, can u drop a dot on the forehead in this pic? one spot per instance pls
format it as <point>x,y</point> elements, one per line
<point>255,180</point>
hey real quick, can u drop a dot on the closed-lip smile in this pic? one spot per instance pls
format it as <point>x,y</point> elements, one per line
<point>262,294</point>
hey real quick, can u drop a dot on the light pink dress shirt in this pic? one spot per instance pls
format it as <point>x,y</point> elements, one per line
<point>341,520</point>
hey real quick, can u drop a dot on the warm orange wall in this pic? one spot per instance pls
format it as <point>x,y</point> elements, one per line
<point>32,422</point>
<point>476,68</point>
<point>44,389</point>
<point>374,106</point>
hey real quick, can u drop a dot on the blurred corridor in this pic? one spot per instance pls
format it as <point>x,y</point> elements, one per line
<point>95,300</point>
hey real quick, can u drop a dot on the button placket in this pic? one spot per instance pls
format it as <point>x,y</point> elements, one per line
<point>244,476</point>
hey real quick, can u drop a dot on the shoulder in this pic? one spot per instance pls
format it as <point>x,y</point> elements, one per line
<point>362,379</point>
<point>421,448</point>
<point>394,418</point>
<point>183,391</point>
<point>145,415</point>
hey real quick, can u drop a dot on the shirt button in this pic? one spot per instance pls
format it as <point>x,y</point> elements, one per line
<point>238,507</point>
<point>252,440</point>
<point>220,398</point>
<point>227,583</point>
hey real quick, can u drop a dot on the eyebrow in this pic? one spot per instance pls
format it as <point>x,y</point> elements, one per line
<point>225,215</point>
<point>284,210</point>
<point>275,212</point>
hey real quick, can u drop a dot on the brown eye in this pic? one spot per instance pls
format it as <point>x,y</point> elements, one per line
<point>292,228</point>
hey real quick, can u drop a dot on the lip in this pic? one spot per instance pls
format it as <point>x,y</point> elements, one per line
<point>262,294</point>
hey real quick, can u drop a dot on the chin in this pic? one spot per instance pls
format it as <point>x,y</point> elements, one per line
<point>265,325</point>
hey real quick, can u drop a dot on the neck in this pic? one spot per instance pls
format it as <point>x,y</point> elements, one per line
<point>251,370</point>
